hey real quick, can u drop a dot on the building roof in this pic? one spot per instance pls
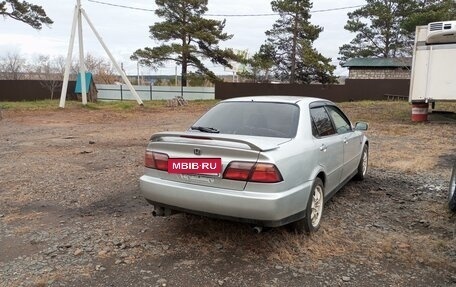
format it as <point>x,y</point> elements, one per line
<point>378,62</point>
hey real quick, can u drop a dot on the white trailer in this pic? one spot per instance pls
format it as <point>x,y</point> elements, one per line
<point>434,63</point>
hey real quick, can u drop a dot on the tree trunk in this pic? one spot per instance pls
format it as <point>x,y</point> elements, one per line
<point>184,71</point>
<point>293,50</point>
<point>185,51</point>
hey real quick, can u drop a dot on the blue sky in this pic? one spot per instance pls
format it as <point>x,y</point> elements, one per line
<point>125,30</point>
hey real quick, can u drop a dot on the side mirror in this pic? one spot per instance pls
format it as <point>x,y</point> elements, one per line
<point>361,126</point>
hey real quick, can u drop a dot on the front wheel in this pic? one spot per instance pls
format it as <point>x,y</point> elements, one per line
<point>363,163</point>
<point>314,210</point>
<point>452,191</point>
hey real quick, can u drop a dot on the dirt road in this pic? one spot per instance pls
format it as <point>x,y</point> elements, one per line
<point>71,213</point>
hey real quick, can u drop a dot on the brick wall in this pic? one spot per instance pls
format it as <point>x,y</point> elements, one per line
<point>379,74</point>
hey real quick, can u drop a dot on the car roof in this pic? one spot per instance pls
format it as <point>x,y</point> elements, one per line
<point>277,99</point>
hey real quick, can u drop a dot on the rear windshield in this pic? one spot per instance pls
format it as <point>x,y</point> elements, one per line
<point>253,119</point>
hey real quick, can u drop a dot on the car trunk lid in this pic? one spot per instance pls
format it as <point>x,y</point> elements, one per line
<point>201,145</point>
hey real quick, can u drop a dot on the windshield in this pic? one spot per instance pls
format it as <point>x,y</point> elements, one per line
<point>252,119</point>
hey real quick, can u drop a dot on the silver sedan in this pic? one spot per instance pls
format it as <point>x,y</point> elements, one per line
<point>267,161</point>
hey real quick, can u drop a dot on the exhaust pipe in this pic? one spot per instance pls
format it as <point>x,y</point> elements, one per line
<point>162,211</point>
<point>257,229</point>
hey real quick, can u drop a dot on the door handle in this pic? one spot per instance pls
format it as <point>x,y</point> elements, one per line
<point>323,148</point>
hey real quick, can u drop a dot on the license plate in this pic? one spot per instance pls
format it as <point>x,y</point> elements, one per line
<point>195,165</point>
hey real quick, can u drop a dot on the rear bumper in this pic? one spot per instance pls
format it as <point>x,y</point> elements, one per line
<point>267,209</point>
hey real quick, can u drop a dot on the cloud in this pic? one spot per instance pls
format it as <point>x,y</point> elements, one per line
<point>125,31</point>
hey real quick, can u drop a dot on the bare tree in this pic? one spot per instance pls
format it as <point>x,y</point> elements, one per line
<point>12,66</point>
<point>101,69</point>
<point>50,72</point>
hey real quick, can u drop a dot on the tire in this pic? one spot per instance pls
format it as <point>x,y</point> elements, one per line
<point>452,190</point>
<point>314,210</point>
<point>363,164</point>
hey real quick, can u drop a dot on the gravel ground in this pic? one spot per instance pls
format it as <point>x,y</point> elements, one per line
<point>71,214</point>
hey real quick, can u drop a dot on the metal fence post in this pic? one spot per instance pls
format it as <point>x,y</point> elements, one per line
<point>121,94</point>
<point>150,89</point>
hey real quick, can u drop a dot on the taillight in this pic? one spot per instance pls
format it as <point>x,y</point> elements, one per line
<point>254,172</point>
<point>156,160</point>
<point>237,170</point>
<point>265,172</point>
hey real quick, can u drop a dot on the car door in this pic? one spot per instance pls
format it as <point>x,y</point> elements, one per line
<point>351,141</point>
<point>329,147</point>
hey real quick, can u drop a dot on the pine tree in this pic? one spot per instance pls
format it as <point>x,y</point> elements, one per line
<point>292,37</point>
<point>386,28</point>
<point>426,11</point>
<point>28,13</point>
<point>379,31</point>
<point>187,38</point>
<point>257,67</point>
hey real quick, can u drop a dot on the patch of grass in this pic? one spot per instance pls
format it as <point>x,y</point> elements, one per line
<point>387,111</point>
<point>204,102</point>
<point>92,106</point>
<point>30,105</point>
<point>276,245</point>
<point>446,106</point>
<point>124,106</point>
<point>378,111</point>
<point>112,105</point>
<point>51,105</point>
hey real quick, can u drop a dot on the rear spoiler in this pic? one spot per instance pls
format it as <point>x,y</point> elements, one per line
<point>254,143</point>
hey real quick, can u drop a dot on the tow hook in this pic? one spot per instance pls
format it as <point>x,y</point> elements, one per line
<point>258,229</point>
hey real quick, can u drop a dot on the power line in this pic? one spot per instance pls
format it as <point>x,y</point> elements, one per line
<point>277,14</point>
<point>226,15</point>
<point>336,9</point>
<point>122,6</point>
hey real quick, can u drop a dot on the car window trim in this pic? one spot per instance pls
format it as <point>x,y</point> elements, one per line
<point>323,105</point>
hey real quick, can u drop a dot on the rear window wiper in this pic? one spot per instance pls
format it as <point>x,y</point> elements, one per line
<point>206,129</point>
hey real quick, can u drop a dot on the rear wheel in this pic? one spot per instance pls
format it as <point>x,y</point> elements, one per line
<point>311,222</point>
<point>363,163</point>
<point>452,191</point>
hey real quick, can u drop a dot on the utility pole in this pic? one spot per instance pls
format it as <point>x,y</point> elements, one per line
<point>79,13</point>
<point>137,73</point>
<point>81,55</point>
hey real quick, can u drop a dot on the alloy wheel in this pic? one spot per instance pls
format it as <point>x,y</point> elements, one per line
<point>317,206</point>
